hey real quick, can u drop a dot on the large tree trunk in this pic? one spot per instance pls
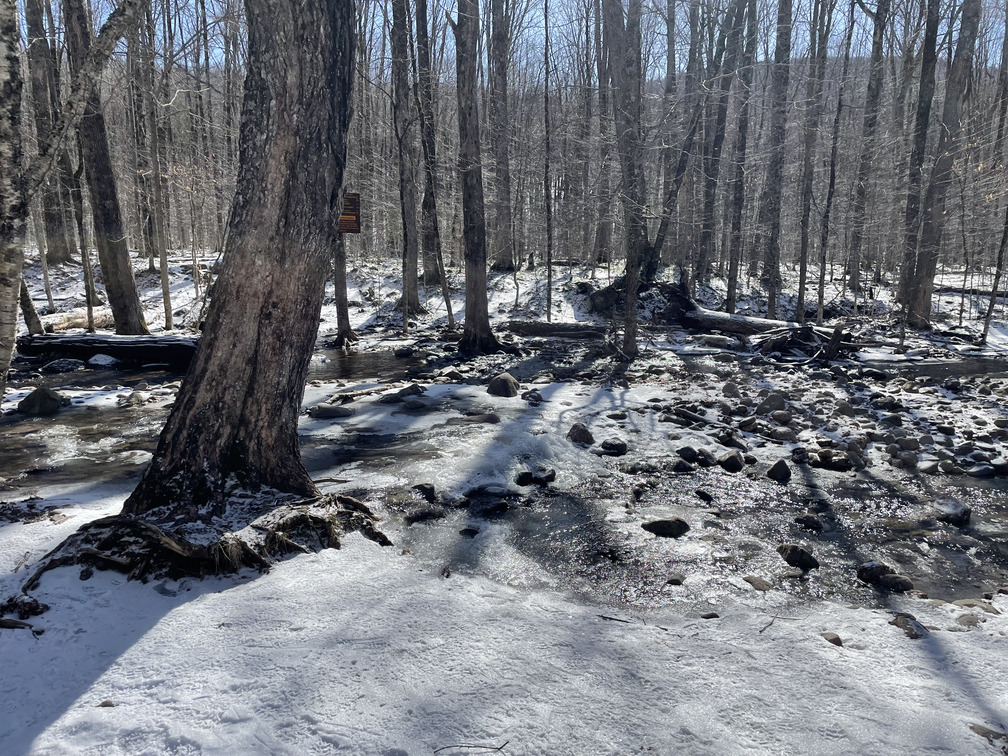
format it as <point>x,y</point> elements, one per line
<point>868,127</point>
<point>430,231</point>
<point>773,186</point>
<point>476,333</point>
<point>403,117</point>
<point>950,133</point>
<point>741,145</point>
<point>915,178</point>
<point>13,210</point>
<point>110,234</point>
<point>623,42</point>
<point>500,135</point>
<point>236,414</point>
<point>58,238</point>
<point>822,23</point>
<point>601,251</point>
<point>734,21</point>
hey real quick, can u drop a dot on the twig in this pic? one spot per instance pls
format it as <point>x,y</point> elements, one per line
<point>615,619</point>
<point>483,748</point>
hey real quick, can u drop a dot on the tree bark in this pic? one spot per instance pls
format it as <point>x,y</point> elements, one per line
<point>236,413</point>
<point>58,238</point>
<point>110,234</point>
<point>770,202</point>
<point>623,40</point>
<point>476,333</point>
<point>741,146</point>
<point>915,177</point>
<point>948,148</point>
<point>404,122</point>
<point>13,207</point>
<point>868,128</point>
<point>547,184</point>
<point>502,255</point>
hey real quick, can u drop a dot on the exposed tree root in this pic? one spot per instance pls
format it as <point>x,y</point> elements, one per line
<point>142,550</point>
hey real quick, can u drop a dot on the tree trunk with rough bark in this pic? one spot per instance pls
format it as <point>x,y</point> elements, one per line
<point>623,41</point>
<point>948,149</point>
<point>915,178</point>
<point>405,122</point>
<point>110,233</point>
<point>773,186</point>
<point>502,255</point>
<point>873,98</point>
<point>235,417</point>
<point>58,238</point>
<point>13,209</point>
<point>476,333</point>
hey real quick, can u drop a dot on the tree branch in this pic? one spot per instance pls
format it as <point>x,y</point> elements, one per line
<point>73,110</point>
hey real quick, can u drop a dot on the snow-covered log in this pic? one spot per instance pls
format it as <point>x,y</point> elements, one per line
<point>175,350</point>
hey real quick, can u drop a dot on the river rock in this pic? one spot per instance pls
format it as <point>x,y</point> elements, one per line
<point>505,385</point>
<point>895,583</point>
<point>43,401</point>
<point>976,604</point>
<point>732,461</point>
<point>953,512</point>
<point>779,472</point>
<point>676,578</point>
<point>809,522</point>
<point>64,365</point>
<point>688,453</point>
<point>833,638</point>
<point>613,447</point>
<point>731,390</point>
<point>540,477</point>
<point>909,625</point>
<point>981,470</point>
<point>426,492</point>
<point>674,527</point>
<point>798,556</point>
<point>327,411</point>
<point>870,572</point>
<point>102,361</point>
<point>774,401</point>
<point>682,466</point>
<point>579,434</point>
<point>760,584</point>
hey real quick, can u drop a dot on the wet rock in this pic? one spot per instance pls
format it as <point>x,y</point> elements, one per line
<point>704,496</point>
<point>65,365</point>
<point>682,466</point>
<point>732,461</point>
<point>675,579</point>
<point>102,361</point>
<point>423,515</point>
<point>779,472</point>
<point>981,470</point>
<point>976,604</point>
<point>809,522</point>
<point>504,385</point>
<point>706,457</point>
<point>798,556</point>
<point>404,352</point>
<point>327,411</point>
<point>619,415</point>
<point>533,397</point>
<point>613,447</point>
<point>710,615</point>
<point>909,625</point>
<point>931,467</point>
<point>469,532</point>
<point>783,434</point>
<point>909,443</point>
<point>479,418</point>
<point>541,477</point>
<point>402,394</point>
<point>427,492</point>
<point>833,638</point>
<point>731,390</point>
<point>953,512</point>
<point>774,401</point>
<point>687,453</point>
<point>579,434</point>
<point>871,572</point>
<point>760,584</point>
<point>674,527</point>
<point>42,402</point>
<point>895,583</point>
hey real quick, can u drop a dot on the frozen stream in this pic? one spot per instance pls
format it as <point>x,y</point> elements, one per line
<point>583,532</point>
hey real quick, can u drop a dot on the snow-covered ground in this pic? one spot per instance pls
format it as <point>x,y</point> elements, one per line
<point>371,650</point>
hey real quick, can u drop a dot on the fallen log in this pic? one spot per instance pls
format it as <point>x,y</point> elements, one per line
<point>174,350</point>
<point>77,319</point>
<point>538,329</point>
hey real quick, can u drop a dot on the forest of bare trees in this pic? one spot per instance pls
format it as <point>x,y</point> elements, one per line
<point>713,141</point>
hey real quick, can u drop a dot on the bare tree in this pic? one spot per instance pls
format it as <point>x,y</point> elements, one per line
<point>236,414</point>
<point>502,256</point>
